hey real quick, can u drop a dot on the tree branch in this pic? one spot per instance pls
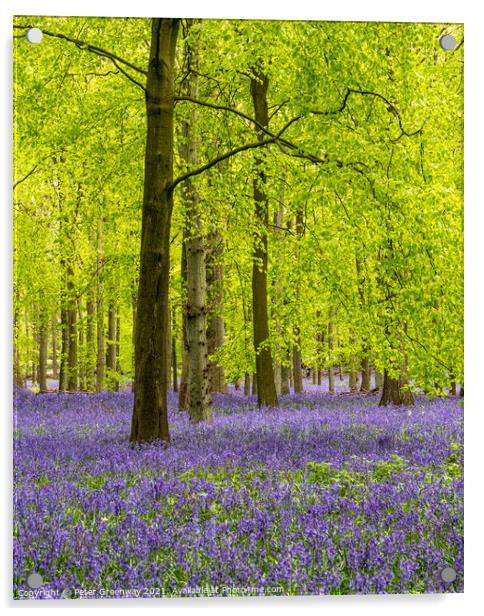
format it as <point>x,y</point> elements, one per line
<point>390,107</point>
<point>226,155</point>
<point>92,48</point>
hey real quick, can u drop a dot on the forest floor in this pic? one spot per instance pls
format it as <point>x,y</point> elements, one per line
<point>329,494</point>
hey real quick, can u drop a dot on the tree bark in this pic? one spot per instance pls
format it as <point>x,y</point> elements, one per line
<point>173,351</point>
<point>43,352</point>
<point>183,396</point>
<point>215,320</point>
<point>55,365</point>
<point>111,347</point>
<point>72,333</point>
<point>266,389</point>
<point>200,403</point>
<point>246,384</point>
<point>365,374</point>
<point>64,349</point>
<point>296,364</point>
<point>90,342</point>
<point>150,413</point>
<point>392,391</point>
<point>100,359</point>
<point>330,350</point>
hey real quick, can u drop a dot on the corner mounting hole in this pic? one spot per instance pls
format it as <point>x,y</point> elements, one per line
<point>34,35</point>
<point>447,42</point>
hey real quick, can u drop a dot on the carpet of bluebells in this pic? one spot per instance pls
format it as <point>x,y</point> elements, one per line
<point>329,494</point>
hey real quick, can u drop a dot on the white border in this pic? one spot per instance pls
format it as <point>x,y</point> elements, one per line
<point>465,11</point>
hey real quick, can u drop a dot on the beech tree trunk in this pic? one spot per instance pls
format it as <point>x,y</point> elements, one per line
<point>200,403</point>
<point>215,320</point>
<point>378,380</point>
<point>64,349</point>
<point>246,384</point>
<point>72,333</point>
<point>330,350</point>
<point>173,351</point>
<point>183,396</point>
<point>111,344</point>
<point>392,391</point>
<point>266,389</point>
<point>55,365</point>
<point>296,364</point>
<point>285,380</point>
<point>150,416</point>
<point>43,352</point>
<point>100,359</point>
<point>91,344</point>
<point>365,375</point>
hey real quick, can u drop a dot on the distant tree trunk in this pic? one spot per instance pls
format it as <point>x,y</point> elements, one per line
<point>173,351</point>
<point>72,329</point>
<point>64,349</point>
<point>365,374</point>
<point>296,364</point>
<point>254,384</point>
<point>277,377</point>
<point>118,344</point>
<point>392,391</point>
<point>43,352</point>
<point>266,389</point>
<point>150,413</point>
<point>18,377</point>
<point>91,344</point>
<point>378,380</point>
<point>461,393</point>
<point>18,374</point>
<point>82,356</point>
<point>100,359</point>
<point>285,380</point>
<point>183,396</point>
<point>111,347</point>
<point>200,404</point>
<point>246,384</point>
<point>330,350</point>
<point>215,321</point>
<point>55,366</point>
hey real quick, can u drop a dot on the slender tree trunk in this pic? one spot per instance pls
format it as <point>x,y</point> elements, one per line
<point>118,344</point>
<point>200,405</point>
<point>55,365</point>
<point>91,345</point>
<point>173,351</point>
<point>111,346</point>
<point>100,359</point>
<point>43,352</point>
<point>183,396</point>
<point>150,413</point>
<point>246,384</point>
<point>266,389</point>
<point>277,377</point>
<point>64,349</point>
<point>82,356</point>
<point>296,364</point>
<point>330,350</point>
<point>72,367</point>
<point>285,380</point>
<point>18,375</point>
<point>254,384</point>
<point>215,321</point>
<point>378,380</point>
<point>365,374</point>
